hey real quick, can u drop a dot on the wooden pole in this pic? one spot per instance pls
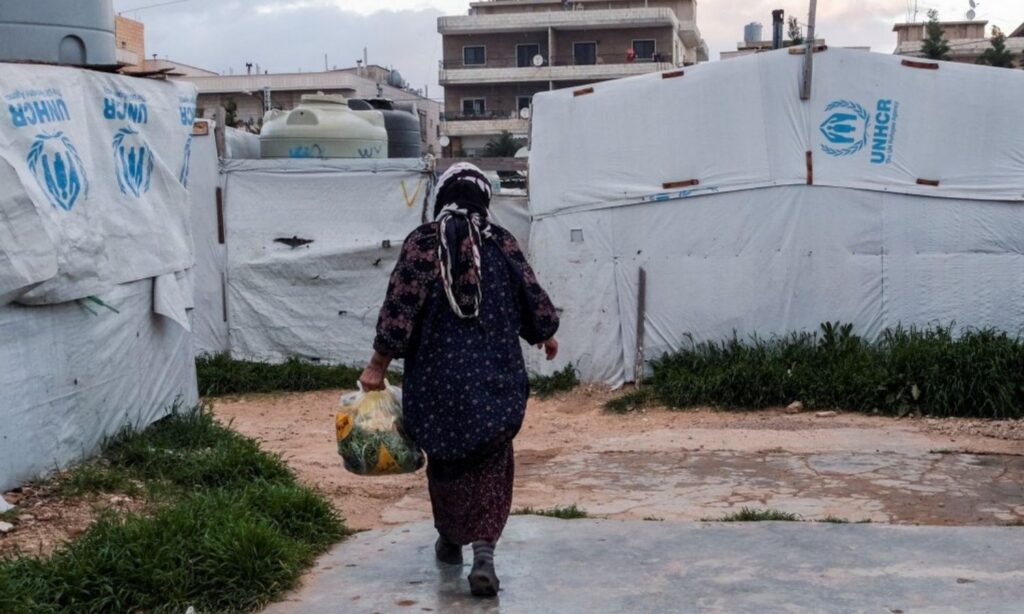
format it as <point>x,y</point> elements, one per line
<point>805,94</point>
<point>641,314</point>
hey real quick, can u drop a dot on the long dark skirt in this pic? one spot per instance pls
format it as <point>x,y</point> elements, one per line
<point>472,499</point>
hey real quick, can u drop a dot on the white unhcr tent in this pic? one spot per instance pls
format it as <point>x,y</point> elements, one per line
<point>95,252</point>
<point>894,196</point>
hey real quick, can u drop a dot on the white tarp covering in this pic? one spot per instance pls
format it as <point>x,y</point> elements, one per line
<point>103,157</point>
<point>76,372</point>
<point>749,246</point>
<point>311,244</point>
<point>95,247</point>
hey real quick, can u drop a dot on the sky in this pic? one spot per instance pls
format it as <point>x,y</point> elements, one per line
<point>293,35</point>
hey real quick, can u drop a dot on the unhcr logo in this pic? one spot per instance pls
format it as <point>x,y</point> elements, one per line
<point>851,128</point>
<point>58,169</point>
<point>133,162</point>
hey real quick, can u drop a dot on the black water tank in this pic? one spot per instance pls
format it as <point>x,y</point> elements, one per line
<point>403,128</point>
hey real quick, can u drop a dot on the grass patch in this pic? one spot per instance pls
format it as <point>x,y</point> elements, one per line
<point>979,373</point>
<point>631,401</point>
<point>546,386</point>
<point>567,512</point>
<point>834,520</point>
<point>749,514</point>
<point>230,531</point>
<point>221,375</point>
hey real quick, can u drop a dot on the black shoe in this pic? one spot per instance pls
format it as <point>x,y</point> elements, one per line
<point>482,580</point>
<point>447,552</point>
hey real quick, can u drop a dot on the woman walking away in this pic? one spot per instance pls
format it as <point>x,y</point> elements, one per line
<point>460,297</point>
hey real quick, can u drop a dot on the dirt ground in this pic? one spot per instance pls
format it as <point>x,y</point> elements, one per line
<point>655,465</point>
<point>662,465</point>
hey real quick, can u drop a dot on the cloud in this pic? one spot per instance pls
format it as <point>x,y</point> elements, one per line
<point>289,35</point>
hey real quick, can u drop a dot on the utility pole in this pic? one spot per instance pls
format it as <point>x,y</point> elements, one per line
<point>805,94</point>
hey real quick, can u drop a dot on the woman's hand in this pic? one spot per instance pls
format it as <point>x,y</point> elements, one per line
<point>550,348</point>
<point>372,378</point>
<point>374,373</point>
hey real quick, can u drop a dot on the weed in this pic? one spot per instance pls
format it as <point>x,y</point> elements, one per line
<point>631,401</point>
<point>545,386</point>
<point>1016,523</point>
<point>653,519</point>
<point>233,531</point>
<point>979,373</point>
<point>568,512</point>
<point>221,375</point>
<point>748,514</point>
<point>834,520</point>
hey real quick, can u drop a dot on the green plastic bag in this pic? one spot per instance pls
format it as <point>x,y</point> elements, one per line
<point>370,436</point>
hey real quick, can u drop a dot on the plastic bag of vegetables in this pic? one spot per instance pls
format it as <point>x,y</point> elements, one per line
<point>370,436</point>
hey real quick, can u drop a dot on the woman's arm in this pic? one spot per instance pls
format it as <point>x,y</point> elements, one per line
<point>408,289</point>
<point>539,318</point>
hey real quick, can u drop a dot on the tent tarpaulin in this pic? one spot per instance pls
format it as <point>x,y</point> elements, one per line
<point>103,158</point>
<point>915,215</point>
<point>77,372</point>
<point>95,247</point>
<point>311,244</point>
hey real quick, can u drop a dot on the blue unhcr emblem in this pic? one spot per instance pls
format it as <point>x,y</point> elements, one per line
<point>186,163</point>
<point>133,162</point>
<point>58,169</point>
<point>847,128</point>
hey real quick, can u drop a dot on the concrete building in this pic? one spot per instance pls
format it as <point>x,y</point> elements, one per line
<point>246,92</point>
<point>286,89</point>
<point>752,47</point>
<point>967,40</point>
<point>505,51</point>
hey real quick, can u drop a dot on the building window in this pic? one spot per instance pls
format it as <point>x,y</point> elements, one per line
<point>584,54</point>
<point>423,126</point>
<point>644,49</point>
<point>474,56</point>
<point>523,102</point>
<point>474,106</point>
<point>525,55</point>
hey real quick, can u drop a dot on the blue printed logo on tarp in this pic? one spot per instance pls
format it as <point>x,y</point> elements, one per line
<point>57,167</point>
<point>186,162</point>
<point>133,162</point>
<point>847,128</point>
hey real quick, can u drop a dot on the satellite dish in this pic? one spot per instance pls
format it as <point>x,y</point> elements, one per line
<point>538,60</point>
<point>974,4</point>
<point>971,15</point>
<point>524,113</point>
<point>444,141</point>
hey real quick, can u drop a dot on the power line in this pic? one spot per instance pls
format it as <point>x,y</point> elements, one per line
<point>152,6</point>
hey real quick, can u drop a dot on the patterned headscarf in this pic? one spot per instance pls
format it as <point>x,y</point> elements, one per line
<point>461,207</point>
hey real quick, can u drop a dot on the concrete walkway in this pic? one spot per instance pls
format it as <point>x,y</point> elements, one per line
<point>592,566</point>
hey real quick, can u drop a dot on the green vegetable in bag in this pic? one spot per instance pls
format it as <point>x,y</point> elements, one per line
<point>370,436</point>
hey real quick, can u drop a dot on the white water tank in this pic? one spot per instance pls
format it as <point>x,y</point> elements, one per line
<point>323,126</point>
<point>74,32</point>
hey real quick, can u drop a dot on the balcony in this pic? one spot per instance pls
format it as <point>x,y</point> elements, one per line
<point>593,19</point>
<point>483,124</point>
<point>509,70</point>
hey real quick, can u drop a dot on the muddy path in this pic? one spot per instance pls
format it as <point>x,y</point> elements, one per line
<point>663,465</point>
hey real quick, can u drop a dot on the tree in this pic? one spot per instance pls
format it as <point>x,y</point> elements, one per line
<point>935,46</point>
<point>796,33</point>
<point>230,111</point>
<point>503,146</point>
<point>997,55</point>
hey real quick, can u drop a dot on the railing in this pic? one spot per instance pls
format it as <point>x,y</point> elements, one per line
<point>569,60</point>
<point>485,116</point>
